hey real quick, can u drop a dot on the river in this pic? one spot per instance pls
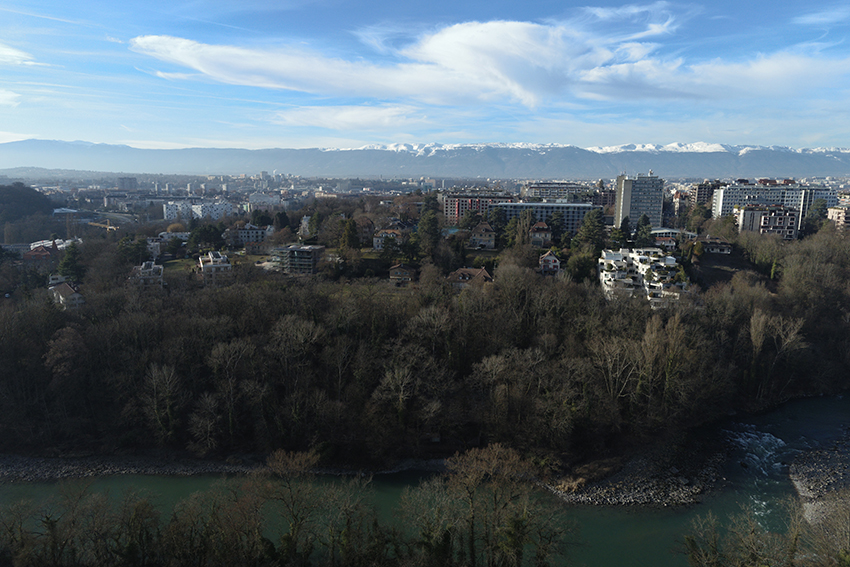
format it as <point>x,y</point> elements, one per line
<point>756,476</point>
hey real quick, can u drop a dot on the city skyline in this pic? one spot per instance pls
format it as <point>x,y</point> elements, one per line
<point>304,74</point>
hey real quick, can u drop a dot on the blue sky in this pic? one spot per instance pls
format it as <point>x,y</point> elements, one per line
<point>334,73</point>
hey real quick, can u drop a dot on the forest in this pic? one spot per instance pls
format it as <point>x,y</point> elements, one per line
<point>359,370</point>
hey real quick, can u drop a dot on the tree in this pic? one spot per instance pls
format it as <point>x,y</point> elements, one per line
<point>591,232</point>
<point>134,250</point>
<point>498,221</point>
<point>161,399</point>
<point>643,232</point>
<point>556,225</point>
<point>261,218</point>
<point>814,218</point>
<point>281,220</point>
<point>71,265</point>
<point>470,220</point>
<point>206,235</point>
<point>428,233</point>
<point>349,238</point>
<point>697,218</point>
<point>626,228</point>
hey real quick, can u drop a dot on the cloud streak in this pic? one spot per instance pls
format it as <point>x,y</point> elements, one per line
<point>352,117</point>
<point>12,56</point>
<point>8,98</point>
<point>499,61</point>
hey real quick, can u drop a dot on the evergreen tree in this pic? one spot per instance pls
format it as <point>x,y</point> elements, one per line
<point>428,233</point>
<point>498,222</point>
<point>626,228</point>
<point>556,225</point>
<point>281,220</point>
<point>349,238</point>
<point>71,266</point>
<point>643,233</point>
<point>592,231</point>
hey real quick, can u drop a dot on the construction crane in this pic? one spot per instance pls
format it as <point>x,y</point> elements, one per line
<point>108,226</point>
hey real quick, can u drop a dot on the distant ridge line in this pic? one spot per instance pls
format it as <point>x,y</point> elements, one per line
<point>501,160</point>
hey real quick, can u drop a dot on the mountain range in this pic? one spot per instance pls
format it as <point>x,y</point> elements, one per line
<point>515,161</point>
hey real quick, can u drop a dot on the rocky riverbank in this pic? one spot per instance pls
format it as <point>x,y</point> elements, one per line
<point>819,475</point>
<point>15,468</point>
<point>657,478</point>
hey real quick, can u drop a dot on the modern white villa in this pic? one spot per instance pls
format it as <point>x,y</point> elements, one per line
<point>648,271</point>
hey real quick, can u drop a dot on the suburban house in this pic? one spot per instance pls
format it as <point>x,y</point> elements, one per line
<point>540,235</point>
<point>385,233</point>
<point>715,245</point>
<point>463,277</point>
<point>483,237</point>
<point>67,296</point>
<point>549,264</point>
<point>42,256</point>
<point>402,274</point>
<point>214,268</point>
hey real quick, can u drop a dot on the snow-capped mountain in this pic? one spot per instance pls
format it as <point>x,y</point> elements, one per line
<point>519,160</point>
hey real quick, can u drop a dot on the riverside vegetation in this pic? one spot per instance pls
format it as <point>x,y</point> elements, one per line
<point>482,512</point>
<point>361,373</point>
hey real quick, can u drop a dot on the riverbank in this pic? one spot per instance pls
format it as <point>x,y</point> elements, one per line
<point>819,475</point>
<point>659,477</point>
<point>16,468</point>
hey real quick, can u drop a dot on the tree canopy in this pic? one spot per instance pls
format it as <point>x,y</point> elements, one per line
<point>18,201</point>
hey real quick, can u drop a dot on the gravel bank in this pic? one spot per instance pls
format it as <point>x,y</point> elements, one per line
<point>648,480</point>
<point>818,474</point>
<point>14,468</point>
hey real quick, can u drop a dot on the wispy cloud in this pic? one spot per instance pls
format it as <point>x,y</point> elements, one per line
<point>9,98</point>
<point>351,117</point>
<point>12,56</point>
<point>496,61</point>
<point>41,16</point>
<point>835,15</point>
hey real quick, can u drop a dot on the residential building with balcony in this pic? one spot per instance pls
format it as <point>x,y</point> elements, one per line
<point>645,271</point>
<point>768,219</point>
<point>301,259</point>
<point>214,268</point>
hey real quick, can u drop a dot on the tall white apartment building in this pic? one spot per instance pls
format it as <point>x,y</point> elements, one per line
<point>636,196</point>
<point>792,196</point>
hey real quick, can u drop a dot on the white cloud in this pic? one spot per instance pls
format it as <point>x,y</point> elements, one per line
<point>8,98</point>
<point>829,17</point>
<point>12,56</point>
<point>351,117</point>
<point>503,61</point>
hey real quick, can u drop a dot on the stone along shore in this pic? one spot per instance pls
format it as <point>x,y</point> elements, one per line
<point>821,475</point>
<point>15,468</point>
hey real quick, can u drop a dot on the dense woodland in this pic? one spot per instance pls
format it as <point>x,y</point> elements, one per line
<point>359,370</point>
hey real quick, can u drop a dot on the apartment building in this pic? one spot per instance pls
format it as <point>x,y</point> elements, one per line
<point>646,271</point>
<point>456,205</point>
<point>636,196</point>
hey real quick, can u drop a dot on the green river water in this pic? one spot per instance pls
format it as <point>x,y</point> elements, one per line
<point>755,476</point>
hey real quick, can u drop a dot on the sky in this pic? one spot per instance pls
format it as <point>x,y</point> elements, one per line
<point>340,74</point>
